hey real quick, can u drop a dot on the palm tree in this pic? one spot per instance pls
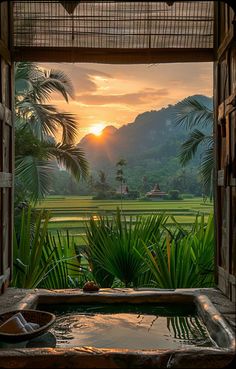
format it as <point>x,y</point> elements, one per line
<point>195,113</point>
<point>120,177</point>
<point>37,124</point>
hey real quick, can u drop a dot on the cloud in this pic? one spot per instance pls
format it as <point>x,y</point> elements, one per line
<point>81,77</point>
<point>136,98</point>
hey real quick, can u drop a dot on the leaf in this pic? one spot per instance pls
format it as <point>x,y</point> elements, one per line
<point>35,174</point>
<point>193,111</point>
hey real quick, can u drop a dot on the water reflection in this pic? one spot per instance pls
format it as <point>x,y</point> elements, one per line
<point>131,331</point>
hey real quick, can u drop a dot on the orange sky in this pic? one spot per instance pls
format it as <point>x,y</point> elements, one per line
<point>116,94</point>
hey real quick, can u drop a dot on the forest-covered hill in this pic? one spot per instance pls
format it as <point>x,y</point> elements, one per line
<point>150,145</point>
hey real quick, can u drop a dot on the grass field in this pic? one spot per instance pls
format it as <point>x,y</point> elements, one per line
<point>72,212</point>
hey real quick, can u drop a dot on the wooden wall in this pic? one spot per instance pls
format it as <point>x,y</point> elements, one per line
<point>225,131</point>
<point>225,148</point>
<point>6,147</point>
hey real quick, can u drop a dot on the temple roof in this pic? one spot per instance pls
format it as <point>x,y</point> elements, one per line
<point>156,192</point>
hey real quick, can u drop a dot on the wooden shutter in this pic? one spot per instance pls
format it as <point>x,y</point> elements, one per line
<point>225,131</point>
<point>6,147</point>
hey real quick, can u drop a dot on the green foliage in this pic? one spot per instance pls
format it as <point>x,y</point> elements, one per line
<point>37,124</point>
<point>120,176</point>
<point>112,245</point>
<point>150,145</point>
<point>28,245</point>
<point>120,251</point>
<point>174,195</point>
<point>150,253</point>
<point>193,113</point>
<point>185,261</point>
<point>41,259</point>
<point>62,265</point>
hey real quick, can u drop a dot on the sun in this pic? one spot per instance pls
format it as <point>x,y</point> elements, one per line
<point>97,129</point>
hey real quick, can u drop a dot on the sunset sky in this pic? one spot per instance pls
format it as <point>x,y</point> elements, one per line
<point>116,94</point>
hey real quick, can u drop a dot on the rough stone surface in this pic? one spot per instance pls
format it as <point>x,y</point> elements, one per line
<point>88,357</point>
<point>11,298</point>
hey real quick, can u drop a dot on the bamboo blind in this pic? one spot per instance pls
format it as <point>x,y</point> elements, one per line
<point>104,24</point>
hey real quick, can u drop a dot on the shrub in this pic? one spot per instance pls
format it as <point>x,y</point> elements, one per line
<point>41,259</point>
<point>112,245</point>
<point>183,262</point>
<point>28,244</point>
<point>174,195</point>
<point>132,195</point>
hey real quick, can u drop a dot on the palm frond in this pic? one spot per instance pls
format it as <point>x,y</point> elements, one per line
<point>190,146</point>
<point>192,112</point>
<point>35,174</point>
<point>71,157</point>
<point>45,120</point>
<point>207,165</point>
<point>25,71</point>
<point>54,81</point>
<point>28,245</point>
<point>43,82</point>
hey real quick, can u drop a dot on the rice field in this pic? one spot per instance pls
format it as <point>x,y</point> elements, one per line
<point>71,213</point>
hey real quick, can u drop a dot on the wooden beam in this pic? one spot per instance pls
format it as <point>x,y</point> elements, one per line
<point>112,55</point>
<point>5,114</point>
<point>228,40</point>
<point>227,106</point>
<point>227,283</point>
<point>4,52</point>
<point>5,179</point>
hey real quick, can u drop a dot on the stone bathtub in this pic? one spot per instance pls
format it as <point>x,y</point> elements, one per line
<point>218,356</point>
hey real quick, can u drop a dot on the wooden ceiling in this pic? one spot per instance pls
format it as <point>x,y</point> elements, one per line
<point>113,31</point>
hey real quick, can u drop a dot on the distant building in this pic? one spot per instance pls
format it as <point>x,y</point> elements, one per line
<point>156,194</point>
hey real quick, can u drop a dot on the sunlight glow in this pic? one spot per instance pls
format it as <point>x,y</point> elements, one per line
<point>97,129</point>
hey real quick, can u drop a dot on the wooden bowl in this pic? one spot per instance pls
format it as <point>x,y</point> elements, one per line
<point>42,318</point>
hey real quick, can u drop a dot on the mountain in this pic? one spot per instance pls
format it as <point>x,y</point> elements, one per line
<point>150,145</point>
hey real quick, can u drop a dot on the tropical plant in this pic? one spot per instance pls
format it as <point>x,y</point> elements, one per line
<point>37,124</point>
<point>28,244</point>
<point>183,261</point>
<point>65,268</point>
<point>120,176</point>
<point>101,186</point>
<point>41,259</point>
<point>112,244</point>
<point>195,113</point>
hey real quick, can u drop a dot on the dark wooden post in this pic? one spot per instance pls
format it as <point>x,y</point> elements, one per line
<point>6,146</point>
<point>225,131</point>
